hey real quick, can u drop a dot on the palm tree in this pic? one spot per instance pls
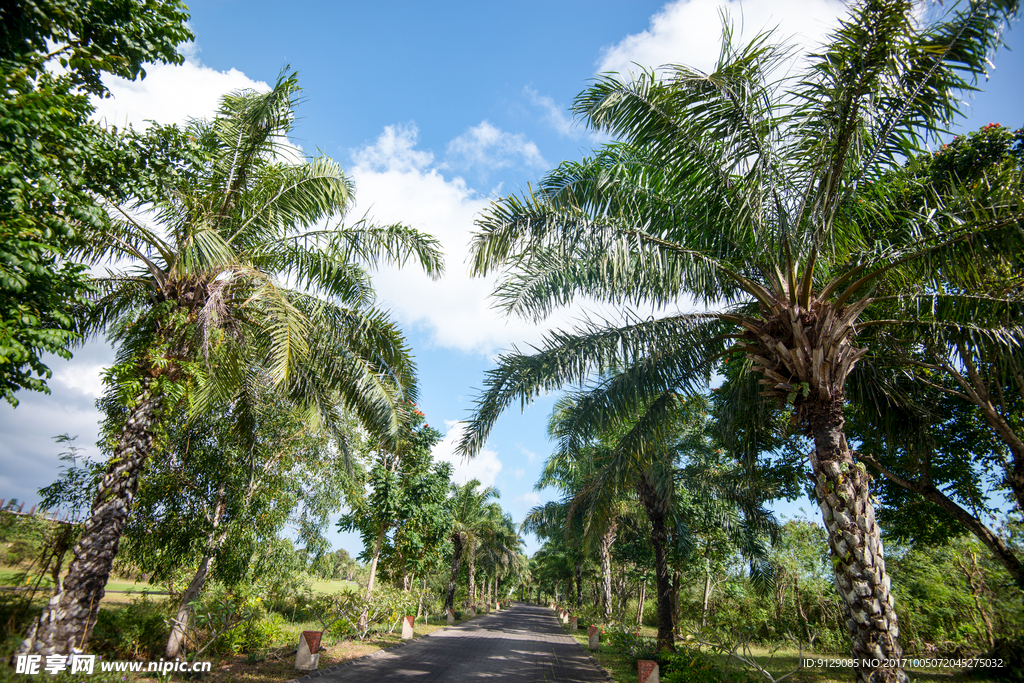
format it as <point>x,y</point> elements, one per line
<point>470,510</point>
<point>200,306</point>
<point>755,194</point>
<point>499,549</point>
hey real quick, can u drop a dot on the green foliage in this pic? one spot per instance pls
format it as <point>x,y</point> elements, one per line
<point>405,500</point>
<point>631,644</point>
<point>135,631</point>
<point>941,612</point>
<point>693,665</point>
<point>253,636</point>
<point>55,165</point>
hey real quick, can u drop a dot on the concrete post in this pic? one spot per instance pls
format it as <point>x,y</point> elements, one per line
<point>407,627</point>
<point>565,616</point>
<point>594,635</point>
<point>451,616</point>
<point>470,612</point>
<point>308,656</point>
<point>572,624</point>
<point>649,672</point>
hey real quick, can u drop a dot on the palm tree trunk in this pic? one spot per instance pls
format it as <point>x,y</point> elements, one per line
<point>844,495</point>
<point>449,597</point>
<point>657,510</point>
<point>578,573</point>
<point>67,621</point>
<point>605,553</point>
<point>472,573</point>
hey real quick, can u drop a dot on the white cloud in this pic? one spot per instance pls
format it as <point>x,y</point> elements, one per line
<point>485,147</point>
<point>484,467</point>
<point>83,378</point>
<point>518,472</point>
<point>529,499</point>
<point>394,151</point>
<point>689,31</point>
<point>396,182</point>
<point>170,94</point>
<point>558,117</point>
<point>530,455</point>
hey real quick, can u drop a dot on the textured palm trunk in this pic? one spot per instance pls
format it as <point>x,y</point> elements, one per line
<point>656,507</point>
<point>578,575</point>
<point>844,495</point>
<point>68,619</point>
<point>805,353</point>
<point>449,596</point>
<point>472,574</point>
<point>605,553</point>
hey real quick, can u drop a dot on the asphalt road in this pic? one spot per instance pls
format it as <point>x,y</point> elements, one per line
<point>524,644</point>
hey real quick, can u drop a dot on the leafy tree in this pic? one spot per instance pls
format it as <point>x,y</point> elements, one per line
<point>199,306</point>
<point>56,165</point>
<point>405,497</point>
<point>756,193</point>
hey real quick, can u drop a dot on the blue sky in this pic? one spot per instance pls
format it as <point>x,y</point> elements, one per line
<point>433,109</point>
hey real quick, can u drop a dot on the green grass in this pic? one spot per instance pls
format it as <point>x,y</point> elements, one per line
<point>778,662</point>
<point>333,586</point>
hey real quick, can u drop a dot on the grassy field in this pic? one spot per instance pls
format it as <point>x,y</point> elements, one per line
<point>778,662</point>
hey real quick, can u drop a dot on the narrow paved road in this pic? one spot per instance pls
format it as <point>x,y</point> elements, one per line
<point>524,644</point>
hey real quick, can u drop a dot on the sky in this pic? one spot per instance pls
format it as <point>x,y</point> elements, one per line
<point>433,109</point>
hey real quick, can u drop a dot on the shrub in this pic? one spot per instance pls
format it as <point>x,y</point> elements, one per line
<point>691,665</point>
<point>254,635</point>
<point>136,631</point>
<point>631,645</point>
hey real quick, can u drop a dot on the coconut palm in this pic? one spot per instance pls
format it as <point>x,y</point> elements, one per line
<point>756,195</point>
<point>198,306</point>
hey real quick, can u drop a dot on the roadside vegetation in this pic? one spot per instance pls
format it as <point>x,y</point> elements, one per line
<point>843,296</point>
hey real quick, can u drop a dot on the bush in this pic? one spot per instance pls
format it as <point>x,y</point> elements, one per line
<point>691,665</point>
<point>136,631</point>
<point>631,645</point>
<point>252,636</point>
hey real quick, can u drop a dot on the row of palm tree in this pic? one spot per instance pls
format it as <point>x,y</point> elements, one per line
<point>768,196</point>
<point>232,267</point>
<point>482,535</point>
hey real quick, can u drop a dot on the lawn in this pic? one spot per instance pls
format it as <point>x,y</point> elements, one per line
<point>778,662</point>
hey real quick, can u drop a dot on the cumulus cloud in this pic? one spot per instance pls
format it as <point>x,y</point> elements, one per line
<point>484,148</point>
<point>170,94</point>
<point>82,377</point>
<point>484,467</point>
<point>688,31</point>
<point>398,182</point>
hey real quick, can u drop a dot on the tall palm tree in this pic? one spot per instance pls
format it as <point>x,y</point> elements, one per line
<point>470,509</point>
<point>754,194</point>
<point>499,550</point>
<point>200,305</point>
